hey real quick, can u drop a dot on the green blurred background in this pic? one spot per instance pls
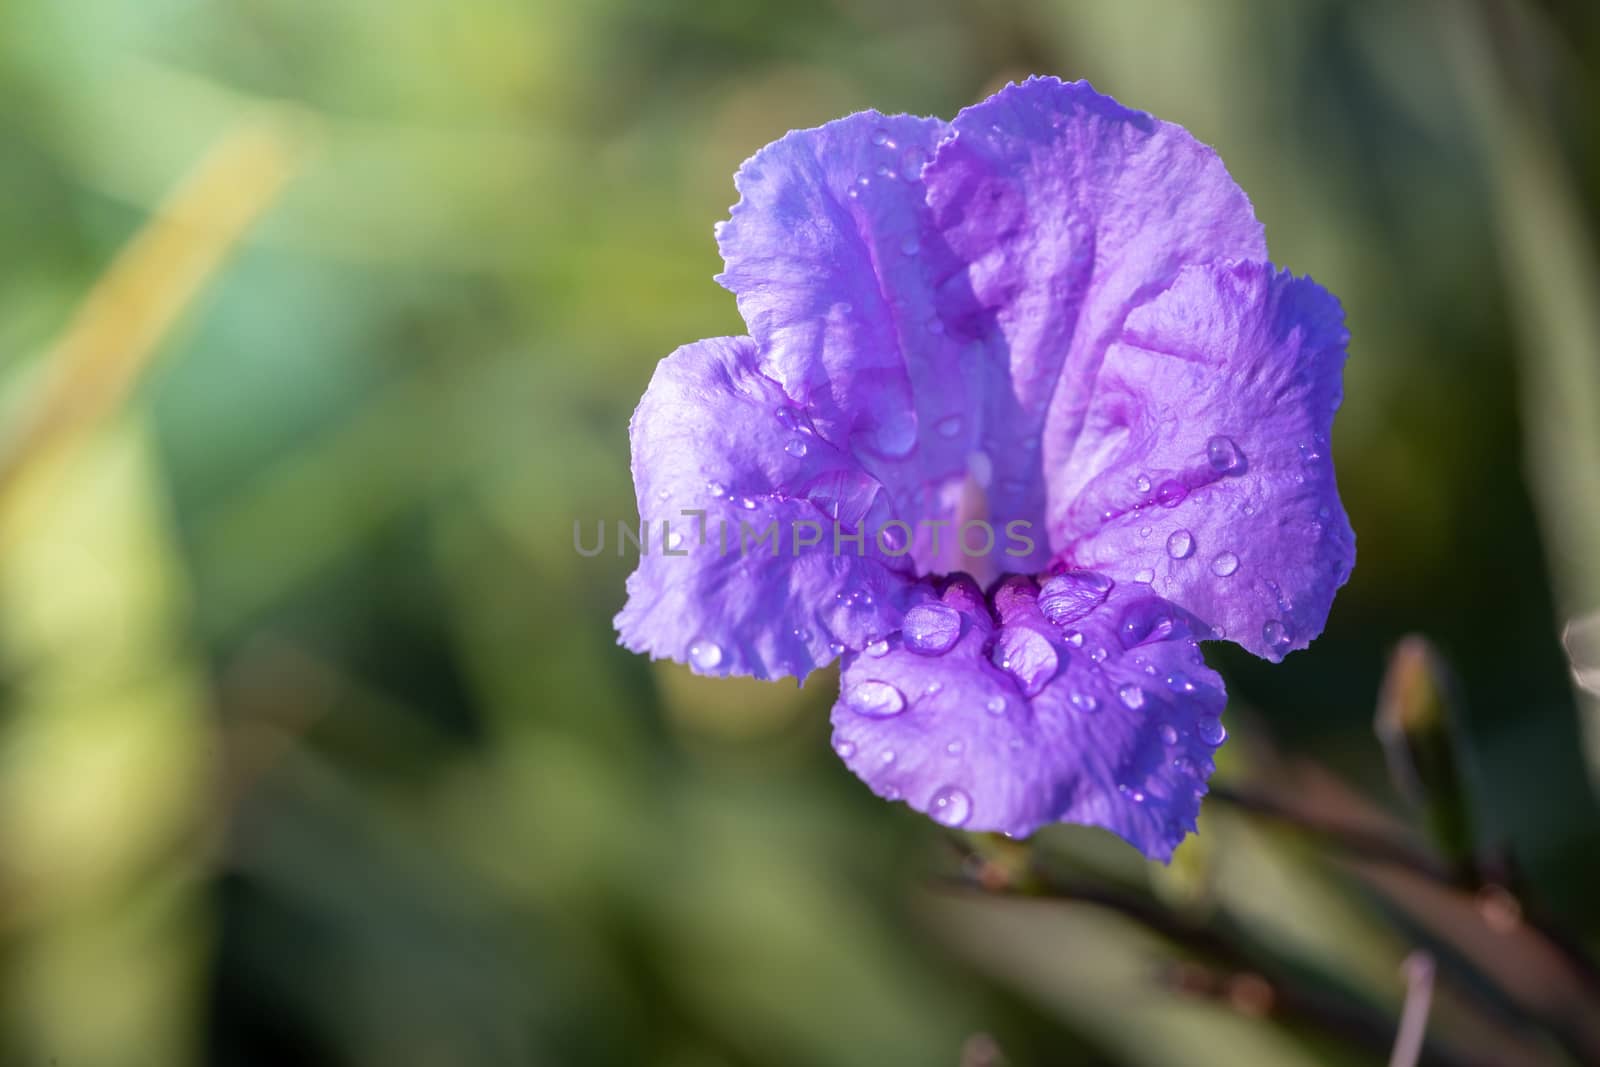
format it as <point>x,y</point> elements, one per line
<point>315,743</point>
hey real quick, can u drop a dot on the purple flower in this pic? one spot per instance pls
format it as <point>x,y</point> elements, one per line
<point>1055,315</point>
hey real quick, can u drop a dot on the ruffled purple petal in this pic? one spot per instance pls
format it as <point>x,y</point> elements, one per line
<point>847,288</point>
<point>1207,445</point>
<point>713,434</point>
<point>1069,210</point>
<point>1109,720</point>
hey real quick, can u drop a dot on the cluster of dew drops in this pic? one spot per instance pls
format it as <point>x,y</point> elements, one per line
<point>1226,459</point>
<point>932,629</point>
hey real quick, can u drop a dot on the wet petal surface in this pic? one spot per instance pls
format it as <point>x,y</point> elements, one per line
<point>1115,727</point>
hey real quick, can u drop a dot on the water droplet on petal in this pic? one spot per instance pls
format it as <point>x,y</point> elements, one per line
<point>1098,655</point>
<point>896,435</point>
<point>955,748</point>
<point>1145,621</point>
<point>887,756</point>
<point>931,629</point>
<point>949,426</point>
<point>884,171</point>
<point>996,705</point>
<point>1180,683</point>
<point>795,448</point>
<point>1169,736</point>
<point>1142,483</point>
<point>1277,635</point>
<point>876,700</point>
<point>1028,656</point>
<point>1225,564</point>
<point>877,648</point>
<point>1069,597</point>
<point>1144,531</point>
<point>1074,638</point>
<point>981,468</point>
<point>950,807</point>
<point>716,489</point>
<point>846,749</point>
<point>1171,493</point>
<point>748,503</point>
<point>1083,701</point>
<point>836,648</point>
<point>1212,732</point>
<point>1180,545</point>
<point>1223,455</point>
<point>880,138</point>
<point>1145,576</point>
<point>706,655</point>
<point>1132,697</point>
<point>675,540</point>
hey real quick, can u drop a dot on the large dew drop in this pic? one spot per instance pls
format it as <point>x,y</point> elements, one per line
<point>1224,456</point>
<point>705,655</point>
<point>950,807</point>
<point>877,700</point>
<point>1277,636</point>
<point>1146,621</point>
<point>981,468</point>
<point>896,435</point>
<point>1171,493</point>
<point>931,629</point>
